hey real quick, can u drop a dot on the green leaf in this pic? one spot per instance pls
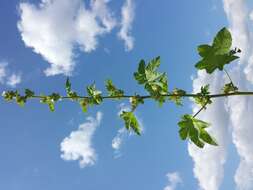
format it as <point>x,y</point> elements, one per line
<point>222,41</point>
<point>177,96</point>
<point>195,130</point>
<point>140,76</point>
<point>21,100</point>
<point>207,138</point>
<point>112,90</point>
<point>131,122</point>
<point>219,54</point>
<point>49,101</point>
<point>73,95</point>
<point>96,95</point>
<point>29,93</point>
<point>152,80</point>
<point>9,95</point>
<point>68,86</point>
<point>55,97</point>
<point>204,50</point>
<point>229,87</point>
<point>135,101</point>
<point>203,98</point>
<point>84,104</point>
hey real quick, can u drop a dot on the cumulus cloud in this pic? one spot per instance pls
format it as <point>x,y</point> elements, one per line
<point>7,77</point>
<point>55,27</point>
<point>174,179</point>
<point>240,108</point>
<point>238,112</point>
<point>128,14</point>
<point>78,145</point>
<point>210,175</point>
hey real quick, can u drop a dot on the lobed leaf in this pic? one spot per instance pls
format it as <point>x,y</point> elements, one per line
<point>195,130</point>
<point>218,54</point>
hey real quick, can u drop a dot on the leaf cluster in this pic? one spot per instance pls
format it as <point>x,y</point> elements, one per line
<point>203,97</point>
<point>153,81</point>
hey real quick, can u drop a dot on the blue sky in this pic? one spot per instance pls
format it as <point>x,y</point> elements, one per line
<point>42,43</point>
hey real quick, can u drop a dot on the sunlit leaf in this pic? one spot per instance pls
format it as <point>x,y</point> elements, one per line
<point>218,54</point>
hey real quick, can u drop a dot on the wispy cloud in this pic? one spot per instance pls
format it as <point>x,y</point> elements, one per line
<point>78,145</point>
<point>8,77</point>
<point>128,14</point>
<point>122,133</point>
<point>2,71</point>
<point>13,80</point>
<point>174,179</point>
<point>118,140</point>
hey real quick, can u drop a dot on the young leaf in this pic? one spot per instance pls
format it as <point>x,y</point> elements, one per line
<point>55,97</point>
<point>84,104</point>
<point>73,95</point>
<point>140,76</point>
<point>96,95</point>
<point>177,96</point>
<point>154,82</point>
<point>21,100</point>
<point>49,101</point>
<point>68,86</point>
<point>203,98</point>
<point>216,56</point>
<point>135,101</point>
<point>112,90</point>
<point>131,122</point>
<point>29,93</point>
<point>9,95</point>
<point>229,87</point>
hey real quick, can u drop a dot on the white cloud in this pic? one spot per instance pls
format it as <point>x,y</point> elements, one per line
<point>7,77</point>
<point>78,146</point>
<point>208,162</point>
<point>2,71</point>
<point>122,133</point>
<point>174,180</point>
<point>54,27</point>
<point>127,13</point>
<point>239,107</point>
<point>118,139</point>
<point>13,80</point>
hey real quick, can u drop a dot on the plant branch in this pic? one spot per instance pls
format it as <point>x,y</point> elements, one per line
<point>202,108</point>
<point>238,93</point>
